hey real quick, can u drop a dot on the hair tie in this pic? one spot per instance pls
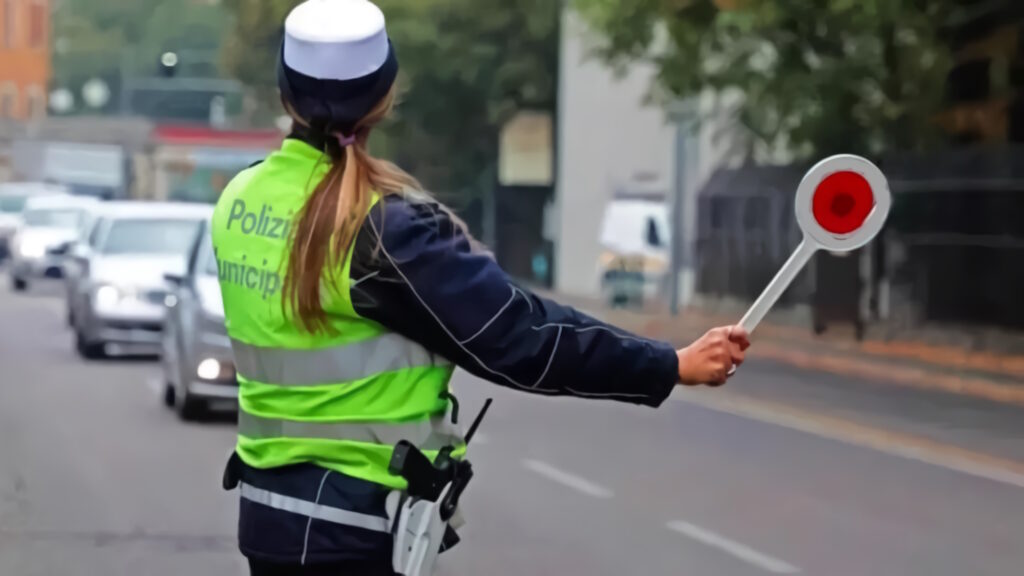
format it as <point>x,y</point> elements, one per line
<point>345,141</point>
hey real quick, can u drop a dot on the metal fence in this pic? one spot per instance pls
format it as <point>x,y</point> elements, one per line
<point>952,252</point>
<point>746,231</point>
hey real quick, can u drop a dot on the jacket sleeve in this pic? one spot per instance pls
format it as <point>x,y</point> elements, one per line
<point>415,272</point>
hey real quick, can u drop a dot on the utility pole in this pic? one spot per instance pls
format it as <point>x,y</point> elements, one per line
<point>682,204</point>
<point>126,90</point>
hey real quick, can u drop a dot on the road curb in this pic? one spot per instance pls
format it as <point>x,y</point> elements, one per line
<point>900,375</point>
<point>909,364</point>
<point>884,370</point>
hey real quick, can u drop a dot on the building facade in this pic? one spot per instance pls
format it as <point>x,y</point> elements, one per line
<point>611,140</point>
<point>24,58</point>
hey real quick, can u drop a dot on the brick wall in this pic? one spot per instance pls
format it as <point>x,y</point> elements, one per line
<point>24,58</point>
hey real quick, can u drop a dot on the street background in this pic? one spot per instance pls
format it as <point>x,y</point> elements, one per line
<point>786,469</point>
<point>637,160</point>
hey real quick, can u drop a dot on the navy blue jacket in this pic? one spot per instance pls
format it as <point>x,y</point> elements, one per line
<point>415,272</point>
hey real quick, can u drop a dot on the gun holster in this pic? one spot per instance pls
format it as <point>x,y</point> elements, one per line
<point>422,527</point>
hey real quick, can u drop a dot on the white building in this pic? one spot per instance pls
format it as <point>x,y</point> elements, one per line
<point>608,139</point>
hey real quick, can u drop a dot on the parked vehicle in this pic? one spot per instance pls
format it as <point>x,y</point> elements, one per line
<point>47,223</point>
<point>196,353</point>
<point>120,289</point>
<point>72,256</point>
<point>635,238</point>
<point>13,196</point>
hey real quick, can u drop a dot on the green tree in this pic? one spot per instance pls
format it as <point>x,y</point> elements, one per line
<point>104,39</point>
<point>818,76</point>
<point>466,67</point>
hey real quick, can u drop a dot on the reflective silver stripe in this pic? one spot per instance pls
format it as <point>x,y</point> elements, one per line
<point>313,510</point>
<point>432,434</point>
<point>294,367</point>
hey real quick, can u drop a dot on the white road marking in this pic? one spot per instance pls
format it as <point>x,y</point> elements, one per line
<point>894,444</point>
<point>566,479</point>
<point>741,551</point>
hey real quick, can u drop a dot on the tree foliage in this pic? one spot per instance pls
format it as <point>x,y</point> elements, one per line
<point>818,76</point>
<point>103,39</point>
<point>466,66</point>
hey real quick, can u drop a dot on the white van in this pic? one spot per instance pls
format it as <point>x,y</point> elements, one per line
<point>636,240</point>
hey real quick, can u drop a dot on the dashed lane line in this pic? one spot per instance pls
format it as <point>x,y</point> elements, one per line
<point>732,547</point>
<point>577,483</point>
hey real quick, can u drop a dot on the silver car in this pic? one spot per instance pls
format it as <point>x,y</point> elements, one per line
<point>197,363</point>
<point>118,304</point>
<point>73,257</point>
<point>47,224</point>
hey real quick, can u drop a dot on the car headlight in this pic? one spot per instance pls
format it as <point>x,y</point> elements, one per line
<point>108,295</point>
<point>213,369</point>
<point>32,249</point>
<point>208,369</point>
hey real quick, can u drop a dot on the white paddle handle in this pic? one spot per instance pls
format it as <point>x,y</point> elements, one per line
<point>778,285</point>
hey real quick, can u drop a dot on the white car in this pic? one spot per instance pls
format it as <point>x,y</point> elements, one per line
<point>120,286</point>
<point>635,238</point>
<point>13,196</point>
<point>47,223</point>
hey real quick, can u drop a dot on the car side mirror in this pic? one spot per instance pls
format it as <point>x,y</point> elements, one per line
<point>176,279</point>
<point>60,250</point>
<point>79,250</point>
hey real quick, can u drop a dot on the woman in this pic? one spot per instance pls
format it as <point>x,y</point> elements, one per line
<point>350,296</point>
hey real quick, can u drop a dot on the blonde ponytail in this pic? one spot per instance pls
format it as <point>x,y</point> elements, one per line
<point>332,216</point>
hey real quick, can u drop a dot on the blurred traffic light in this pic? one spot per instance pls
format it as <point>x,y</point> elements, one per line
<point>168,64</point>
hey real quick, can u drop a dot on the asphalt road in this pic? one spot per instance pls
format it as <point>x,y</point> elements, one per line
<point>96,477</point>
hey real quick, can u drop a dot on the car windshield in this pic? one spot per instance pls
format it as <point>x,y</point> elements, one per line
<point>12,204</point>
<point>150,236</point>
<point>58,218</point>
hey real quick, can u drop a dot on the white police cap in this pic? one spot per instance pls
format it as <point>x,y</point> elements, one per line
<point>336,61</point>
<point>336,39</point>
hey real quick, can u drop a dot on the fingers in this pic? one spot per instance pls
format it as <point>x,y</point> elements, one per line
<point>736,353</point>
<point>739,336</point>
<point>729,354</point>
<point>720,378</point>
<point>726,367</point>
<point>739,341</point>
<point>713,359</point>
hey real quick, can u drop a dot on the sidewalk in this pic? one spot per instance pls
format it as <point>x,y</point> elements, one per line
<point>996,377</point>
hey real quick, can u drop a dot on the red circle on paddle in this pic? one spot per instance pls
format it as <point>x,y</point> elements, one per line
<point>842,202</point>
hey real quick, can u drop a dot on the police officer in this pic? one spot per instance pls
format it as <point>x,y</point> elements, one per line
<point>350,296</point>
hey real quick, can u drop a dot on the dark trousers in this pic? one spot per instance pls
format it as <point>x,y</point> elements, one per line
<point>260,568</point>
